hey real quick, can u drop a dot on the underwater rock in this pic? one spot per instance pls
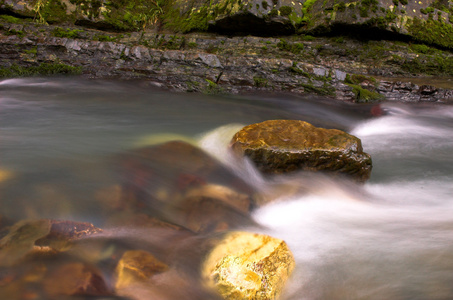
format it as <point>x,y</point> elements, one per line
<point>282,146</point>
<point>247,265</point>
<point>167,181</point>
<point>75,279</point>
<point>137,266</point>
<point>209,213</point>
<point>41,237</point>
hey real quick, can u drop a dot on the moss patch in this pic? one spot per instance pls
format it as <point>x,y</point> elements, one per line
<point>67,33</point>
<point>434,65</point>
<point>43,69</point>
<point>132,15</point>
<point>432,32</point>
<point>295,48</point>
<point>363,95</point>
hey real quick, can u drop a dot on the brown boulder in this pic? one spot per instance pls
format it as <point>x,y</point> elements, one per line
<point>282,146</point>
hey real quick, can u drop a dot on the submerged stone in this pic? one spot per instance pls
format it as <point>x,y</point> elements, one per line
<point>247,265</point>
<point>184,185</point>
<point>41,236</point>
<point>282,146</point>
<point>75,279</point>
<point>137,266</point>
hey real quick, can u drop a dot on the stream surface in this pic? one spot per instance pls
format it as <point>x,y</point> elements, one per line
<point>391,238</point>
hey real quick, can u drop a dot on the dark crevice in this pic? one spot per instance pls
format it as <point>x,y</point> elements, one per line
<point>360,32</point>
<point>9,12</point>
<point>249,24</point>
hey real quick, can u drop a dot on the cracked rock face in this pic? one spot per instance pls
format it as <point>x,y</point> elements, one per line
<point>283,146</point>
<point>247,265</point>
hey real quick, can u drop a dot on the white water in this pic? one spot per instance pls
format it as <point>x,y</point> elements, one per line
<point>391,238</point>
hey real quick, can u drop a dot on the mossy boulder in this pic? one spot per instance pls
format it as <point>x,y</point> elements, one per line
<point>427,21</point>
<point>283,146</point>
<point>117,15</point>
<point>246,265</point>
<point>259,17</point>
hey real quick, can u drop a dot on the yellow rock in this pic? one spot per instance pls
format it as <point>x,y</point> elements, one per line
<point>248,266</point>
<point>137,266</point>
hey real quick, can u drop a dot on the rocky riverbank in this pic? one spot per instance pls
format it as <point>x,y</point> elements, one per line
<point>340,67</point>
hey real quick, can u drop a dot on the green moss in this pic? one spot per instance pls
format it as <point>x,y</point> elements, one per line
<point>212,88</point>
<point>195,21</point>
<point>428,10</point>
<point>363,95</point>
<point>192,45</point>
<point>436,65</point>
<point>273,13</point>
<point>295,48</point>
<point>432,32</point>
<point>379,22</point>
<point>51,11</point>
<point>44,69</point>
<point>296,70</point>
<point>104,38</point>
<point>306,8</point>
<point>339,40</point>
<point>422,49</point>
<point>404,2</point>
<point>259,81</point>
<point>363,11</point>
<point>341,7</point>
<point>326,90</point>
<point>132,15</point>
<point>11,19</point>
<point>366,6</point>
<point>66,33</point>
<point>19,33</point>
<point>307,38</point>
<point>33,50</point>
<point>358,78</point>
<point>285,10</point>
<point>264,4</point>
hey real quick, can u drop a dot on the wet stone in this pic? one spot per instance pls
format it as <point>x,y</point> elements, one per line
<point>41,237</point>
<point>283,146</point>
<point>75,278</point>
<point>246,265</point>
<point>193,179</point>
<point>137,266</point>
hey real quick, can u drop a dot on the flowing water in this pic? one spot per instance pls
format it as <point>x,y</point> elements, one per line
<point>391,238</point>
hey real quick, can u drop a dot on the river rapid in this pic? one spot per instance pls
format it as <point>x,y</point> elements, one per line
<point>391,238</point>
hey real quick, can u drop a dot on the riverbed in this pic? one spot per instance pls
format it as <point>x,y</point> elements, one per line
<point>390,238</point>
